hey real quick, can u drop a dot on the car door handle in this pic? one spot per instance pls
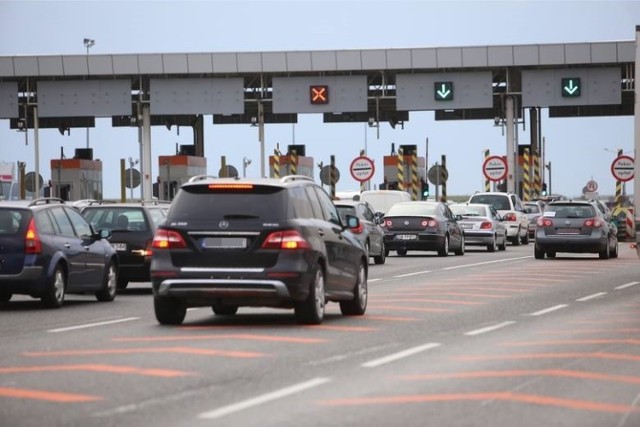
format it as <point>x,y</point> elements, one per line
<point>67,245</point>
<point>321,233</point>
<point>86,248</point>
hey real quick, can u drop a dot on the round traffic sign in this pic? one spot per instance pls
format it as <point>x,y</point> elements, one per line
<point>231,172</point>
<point>622,168</point>
<point>132,178</point>
<point>325,174</point>
<point>30,181</point>
<point>494,168</point>
<point>362,169</point>
<point>437,175</point>
<point>591,186</point>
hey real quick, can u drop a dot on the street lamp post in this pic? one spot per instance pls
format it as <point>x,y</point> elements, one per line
<point>245,162</point>
<point>88,43</point>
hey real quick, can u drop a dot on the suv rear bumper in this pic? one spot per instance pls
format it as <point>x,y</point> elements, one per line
<point>222,288</point>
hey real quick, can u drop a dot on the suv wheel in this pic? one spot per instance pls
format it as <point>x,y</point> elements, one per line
<point>380,259</point>
<point>220,309</point>
<point>108,291</point>
<point>605,253</point>
<point>54,295</point>
<point>169,311</point>
<point>5,296</point>
<point>538,253</point>
<point>122,283</point>
<point>311,310</point>
<point>358,305</point>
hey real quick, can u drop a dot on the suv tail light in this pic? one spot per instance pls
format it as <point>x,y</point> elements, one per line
<point>593,222</point>
<point>32,243</point>
<point>287,239</point>
<point>168,239</point>
<point>510,217</point>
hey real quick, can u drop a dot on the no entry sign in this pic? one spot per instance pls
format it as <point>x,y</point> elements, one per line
<point>494,168</point>
<point>362,169</point>
<point>622,168</point>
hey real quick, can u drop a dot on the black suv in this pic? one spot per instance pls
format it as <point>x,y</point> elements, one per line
<point>132,226</point>
<point>47,250</point>
<point>264,243</point>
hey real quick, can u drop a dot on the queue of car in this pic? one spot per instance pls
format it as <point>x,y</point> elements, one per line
<point>282,243</point>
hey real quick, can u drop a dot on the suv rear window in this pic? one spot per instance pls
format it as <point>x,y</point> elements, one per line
<point>201,203</point>
<point>499,202</point>
<point>571,211</point>
<point>116,218</point>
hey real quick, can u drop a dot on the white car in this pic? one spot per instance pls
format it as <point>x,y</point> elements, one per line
<point>511,209</point>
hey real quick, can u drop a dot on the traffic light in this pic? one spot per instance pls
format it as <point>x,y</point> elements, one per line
<point>544,188</point>
<point>425,190</point>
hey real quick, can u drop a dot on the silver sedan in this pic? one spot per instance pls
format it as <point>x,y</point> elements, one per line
<point>482,225</point>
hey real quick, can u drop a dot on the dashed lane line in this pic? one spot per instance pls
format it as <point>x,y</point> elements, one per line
<point>487,262</point>
<point>400,355</point>
<point>489,328</point>
<point>592,296</point>
<point>415,273</point>
<point>92,325</point>
<point>628,285</point>
<point>548,310</point>
<point>259,400</point>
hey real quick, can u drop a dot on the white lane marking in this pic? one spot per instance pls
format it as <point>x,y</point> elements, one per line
<point>588,297</point>
<point>628,285</point>
<point>548,310</point>
<point>412,274</point>
<point>259,400</point>
<point>489,328</point>
<point>487,262</point>
<point>91,325</point>
<point>193,308</point>
<point>400,355</point>
<point>373,280</point>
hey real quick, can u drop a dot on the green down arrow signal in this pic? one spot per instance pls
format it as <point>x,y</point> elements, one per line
<point>443,91</point>
<point>571,87</point>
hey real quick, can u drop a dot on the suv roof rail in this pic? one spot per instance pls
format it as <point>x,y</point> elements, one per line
<point>288,178</point>
<point>201,177</point>
<point>155,202</point>
<point>46,201</point>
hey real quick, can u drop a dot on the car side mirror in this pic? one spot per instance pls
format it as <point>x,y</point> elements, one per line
<point>352,221</point>
<point>105,233</point>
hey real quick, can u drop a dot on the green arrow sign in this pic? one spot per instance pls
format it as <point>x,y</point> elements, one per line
<point>570,87</point>
<point>443,91</point>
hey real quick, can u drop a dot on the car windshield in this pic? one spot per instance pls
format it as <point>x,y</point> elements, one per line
<point>116,218</point>
<point>498,201</point>
<point>412,209</point>
<point>343,211</point>
<point>201,203</point>
<point>570,211</point>
<point>466,210</point>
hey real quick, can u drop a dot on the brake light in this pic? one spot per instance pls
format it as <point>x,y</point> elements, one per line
<point>593,222</point>
<point>32,243</point>
<point>431,223</point>
<point>168,239</point>
<point>147,249</point>
<point>388,223</point>
<point>288,239</point>
<point>510,217</point>
<point>486,225</point>
<point>544,222</point>
<point>230,186</point>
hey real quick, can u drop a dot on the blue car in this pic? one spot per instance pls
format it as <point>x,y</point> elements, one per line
<point>48,250</point>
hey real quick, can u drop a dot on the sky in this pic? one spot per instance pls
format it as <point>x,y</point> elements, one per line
<point>579,149</point>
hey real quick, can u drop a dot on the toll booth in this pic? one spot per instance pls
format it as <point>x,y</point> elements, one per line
<point>411,164</point>
<point>78,178</point>
<point>293,163</point>
<point>175,171</point>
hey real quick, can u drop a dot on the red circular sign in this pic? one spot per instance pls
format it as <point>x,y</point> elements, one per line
<point>494,168</point>
<point>362,169</point>
<point>623,168</point>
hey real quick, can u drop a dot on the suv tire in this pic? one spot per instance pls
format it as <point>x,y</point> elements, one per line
<point>169,311</point>
<point>380,259</point>
<point>54,295</point>
<point>220,309</point>
<point>311,310</point>
<point>358,305</point>
<point>444,250</point>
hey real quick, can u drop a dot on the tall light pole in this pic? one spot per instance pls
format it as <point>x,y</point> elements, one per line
<point>245,162</point>
<point>88,43</point>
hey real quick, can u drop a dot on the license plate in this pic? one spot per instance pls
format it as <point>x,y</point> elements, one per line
<point>406,237</point>
<point>466,226</point>
<point>568,231</point>
<point>224,242</point>
<point>120,247</point>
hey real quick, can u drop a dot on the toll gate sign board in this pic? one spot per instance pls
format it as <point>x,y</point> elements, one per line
<point>362,169</point>
<point>622,168</point>
<point>494,168</point>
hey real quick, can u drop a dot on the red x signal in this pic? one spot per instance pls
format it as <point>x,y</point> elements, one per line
<point>319,94</point>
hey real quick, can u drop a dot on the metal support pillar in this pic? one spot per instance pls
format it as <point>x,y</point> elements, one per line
<point>145,160</point>
<point>36,142</point>
<point>636,138</point>
<point>511,155</point>
<point>198,136</point>
<point>261,138</point>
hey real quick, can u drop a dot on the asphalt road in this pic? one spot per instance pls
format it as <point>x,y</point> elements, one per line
<point>484,339</point>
